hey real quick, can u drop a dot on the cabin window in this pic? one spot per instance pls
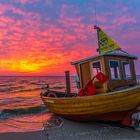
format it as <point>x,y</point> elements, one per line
<point>114,69</point>
<point>126,70</point>
<point>96,68</point>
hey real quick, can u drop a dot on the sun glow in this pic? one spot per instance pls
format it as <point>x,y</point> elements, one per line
<point>21,65</point>
<point>28,66</point>
<point>34,66</point>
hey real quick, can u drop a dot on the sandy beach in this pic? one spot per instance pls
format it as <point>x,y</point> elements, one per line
<point>78,131</point>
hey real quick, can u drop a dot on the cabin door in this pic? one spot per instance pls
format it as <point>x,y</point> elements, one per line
<point>96,68</point>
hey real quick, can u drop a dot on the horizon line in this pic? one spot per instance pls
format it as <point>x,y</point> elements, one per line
<point>32,75</point>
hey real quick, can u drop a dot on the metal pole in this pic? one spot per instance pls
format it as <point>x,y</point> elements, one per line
<point>98,37</point>
<point>67,75</point>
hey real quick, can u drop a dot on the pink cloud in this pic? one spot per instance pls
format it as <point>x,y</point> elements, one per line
<point>22,1</point>
<point>68,11</point>
<point>45,51</point>
<point>100,19</point>
<point>123,7</point>
<point>27,1</point>
<point>124,20</point>
<point>49,2</point>
<point>31,46</point>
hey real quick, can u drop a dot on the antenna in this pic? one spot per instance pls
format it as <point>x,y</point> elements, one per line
<point>95,13</point>
<point>97,28</point>
<point>96,25</point>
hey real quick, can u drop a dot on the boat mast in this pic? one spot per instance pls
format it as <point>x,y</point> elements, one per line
<point>97,28</point>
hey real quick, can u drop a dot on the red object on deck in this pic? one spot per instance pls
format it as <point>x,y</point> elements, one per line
<point>101,77</point>
<point>81,92</point>
<point>88,90</point>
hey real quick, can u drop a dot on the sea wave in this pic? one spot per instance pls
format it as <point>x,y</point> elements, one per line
<point>37,83</point>
<point>21,89</point>
<point>7,113</point>
<point>6,84</point>
<point>10,89</point>
<point>28,89</point>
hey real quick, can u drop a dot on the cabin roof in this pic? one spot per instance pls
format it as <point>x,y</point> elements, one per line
<point>106,54</point>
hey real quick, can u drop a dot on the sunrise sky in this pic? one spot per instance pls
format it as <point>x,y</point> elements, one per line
<point>42,37</point>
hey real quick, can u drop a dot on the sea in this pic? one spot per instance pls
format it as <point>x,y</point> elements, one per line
<point>21,108</point>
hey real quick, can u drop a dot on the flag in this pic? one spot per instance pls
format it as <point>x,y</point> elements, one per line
<point>88,90</point>
<point>101,77</point>
<point>106,44</point>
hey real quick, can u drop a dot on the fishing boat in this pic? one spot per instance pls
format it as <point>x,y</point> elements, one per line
<point>117,98</point>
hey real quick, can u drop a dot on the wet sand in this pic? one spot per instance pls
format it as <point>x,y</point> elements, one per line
<point>78,131</point>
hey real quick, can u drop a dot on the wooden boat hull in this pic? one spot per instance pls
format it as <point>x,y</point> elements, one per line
<point>106,106</point>
<point>111,116</point>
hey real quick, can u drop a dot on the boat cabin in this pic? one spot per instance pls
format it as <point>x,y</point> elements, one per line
<point>119,67</point>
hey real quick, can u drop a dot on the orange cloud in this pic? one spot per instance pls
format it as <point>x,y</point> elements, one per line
<point>35,43</point>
